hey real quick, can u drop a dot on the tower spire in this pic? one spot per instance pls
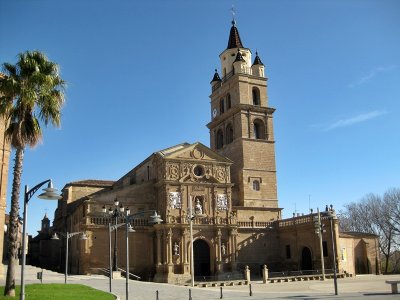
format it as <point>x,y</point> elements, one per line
<point>234,37</point>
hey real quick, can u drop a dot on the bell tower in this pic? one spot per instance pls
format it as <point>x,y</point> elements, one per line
<point>241,126</point>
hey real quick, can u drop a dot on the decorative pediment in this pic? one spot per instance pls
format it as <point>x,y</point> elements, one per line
<point>196,151</point>
<point>194,163</point>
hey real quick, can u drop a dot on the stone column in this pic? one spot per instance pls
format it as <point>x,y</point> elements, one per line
<point>185,252</point>
<point>169,251</point>
<point>158,234</point>
<point>218,252</point>
<point>233,241</point>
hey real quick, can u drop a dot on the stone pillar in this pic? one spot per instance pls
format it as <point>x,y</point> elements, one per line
<point>4,161</point>
<point>218,251</point>
<point>158,234</point>
<point>265,274</point>
<point>232,249</point>
<point>186,251</point>
<point>247,274</point>
<point>169,251</point>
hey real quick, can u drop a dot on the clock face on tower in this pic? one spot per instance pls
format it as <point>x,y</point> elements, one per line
<point>214,113</point>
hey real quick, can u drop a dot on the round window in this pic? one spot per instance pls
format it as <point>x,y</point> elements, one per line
<point>198,171</point>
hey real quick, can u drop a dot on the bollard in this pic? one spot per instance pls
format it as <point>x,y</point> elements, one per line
<point>190,294</point>
<point>251,292</point>
<point>157,295</point>
<point>221,294</point>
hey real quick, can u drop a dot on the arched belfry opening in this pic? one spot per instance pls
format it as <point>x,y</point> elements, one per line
<point>202,262</point>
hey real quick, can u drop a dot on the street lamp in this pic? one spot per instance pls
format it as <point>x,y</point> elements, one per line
<point>67,236</point>
<point>191,215</point>
<point>154,219</point>
<point>117,212</point>
<point>319,230</point>
<point>49,194</point>
<point>331,215</point>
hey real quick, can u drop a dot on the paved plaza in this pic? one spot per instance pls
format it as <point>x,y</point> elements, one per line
<point>360,287</point>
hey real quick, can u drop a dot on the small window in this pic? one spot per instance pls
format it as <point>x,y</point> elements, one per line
<point>256,185</point>
<point>259,129</point>
<point>325,248</point>
<point>220,139</point>
<point>256,96</point>
<point>288,254</point>
<point>228,102</point>
<point>229,134</point>
<point>221,106</point>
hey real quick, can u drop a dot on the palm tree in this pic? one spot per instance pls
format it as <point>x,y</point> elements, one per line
<point>30,91</point>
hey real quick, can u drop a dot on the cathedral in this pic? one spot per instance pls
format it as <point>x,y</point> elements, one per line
<point>227,192</point>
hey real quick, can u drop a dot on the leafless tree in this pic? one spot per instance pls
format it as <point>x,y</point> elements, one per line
<point>377,215</point>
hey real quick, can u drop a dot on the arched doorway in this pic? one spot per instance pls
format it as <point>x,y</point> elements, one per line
<point>201,253</point>
<point>306,259</point>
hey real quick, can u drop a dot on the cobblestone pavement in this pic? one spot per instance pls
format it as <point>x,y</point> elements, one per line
<point>361,287</point>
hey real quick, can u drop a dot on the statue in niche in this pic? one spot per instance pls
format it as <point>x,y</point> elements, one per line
<point>223,249</point>
<point>176,248</point>
<point>198,209</point>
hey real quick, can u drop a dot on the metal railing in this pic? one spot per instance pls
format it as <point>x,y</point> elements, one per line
<point>135,277</point>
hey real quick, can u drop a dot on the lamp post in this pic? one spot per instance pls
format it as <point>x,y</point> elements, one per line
<point>49,194</point>
<point>68,236</point>
<point>331,214</point>
<point>319,230</point>
<point>117,212</point>
<point>154,219</point>
<point>191,215</point>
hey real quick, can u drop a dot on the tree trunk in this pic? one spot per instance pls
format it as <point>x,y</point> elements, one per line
<point>9,289</point>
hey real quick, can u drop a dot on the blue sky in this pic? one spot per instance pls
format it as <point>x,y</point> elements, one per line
<point>138,76</point>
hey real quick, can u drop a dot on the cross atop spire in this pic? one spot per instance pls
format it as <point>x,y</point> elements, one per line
<point>233,11</point>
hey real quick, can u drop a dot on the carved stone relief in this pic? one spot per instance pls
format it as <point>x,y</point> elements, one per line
<point>197,154</point>
<point>220,174</point>
<point>222,202</point>
<point>173,171</point>
<point>175,200</point>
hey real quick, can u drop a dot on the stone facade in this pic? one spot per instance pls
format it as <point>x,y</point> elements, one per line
<point>4,164</point>
<point>231,188</point>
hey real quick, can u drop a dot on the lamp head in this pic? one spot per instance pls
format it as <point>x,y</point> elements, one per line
<point>130,228</point>
<point>155,219</point>
<point>55,236</point>
<point>83,237</point>
<point>116,202</point>
<point>50,193</point>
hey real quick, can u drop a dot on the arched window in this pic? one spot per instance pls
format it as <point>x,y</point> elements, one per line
<point>256,96</point>
<point>259,129</point>
<point>256,185</point>
<point>221,106</point>
<point>229,134</point>
<point>220,139</point>
<point>228,102</point>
